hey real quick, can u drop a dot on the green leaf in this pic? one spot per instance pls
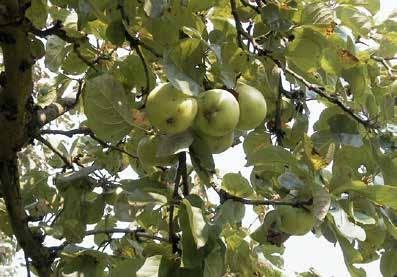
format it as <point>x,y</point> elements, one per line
<point>237,185</point>
<point>106,223</point>
<point>150,268</point>
<point>214,263</point>
<point>87,263</point>
<point>290,181</point>
<point>94,208</point>
<point>379,194</point>
<point>388,265</point>
<point>345,227</point>
<point>255,141</point>
<point>73,64</point>
<point>183,65</point>
<point>108,108</point>
<point>155,8</point>
<point>277,18</point>
<point>306,49</point>
<point>115,32</point>
<point>37,13</point>
<point>55,53</point>
<point>127,267</point>
<point>191,256</point>
<point>197,223</point>
<point>371,5</point>
<point>173,144</point>
<point>355,19</point>
<point>36,47</point>
<point>230,212</point>
<point>271,155</point>
<point>317,13</point>
<point>146,185</point>
<point>131,72</point>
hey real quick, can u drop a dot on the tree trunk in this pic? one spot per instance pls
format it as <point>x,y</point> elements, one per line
<point>16,87</point>
<point>31,246</point>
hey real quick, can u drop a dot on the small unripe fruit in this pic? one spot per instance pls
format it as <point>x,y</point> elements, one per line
<point>295,221</point>
<point>170,110</point>
<point>218,112</point>
<point>252,105</point>
<point>219,144</point>
<point>147,152</point>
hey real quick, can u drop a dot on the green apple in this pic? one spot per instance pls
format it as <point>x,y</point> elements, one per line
<point>170,110</point>
<point>269,231</point>
<point>147,152</point>
<point>219,144</point>
<point>252,105</point>
<point>218,112</point>
<point>295,221</point>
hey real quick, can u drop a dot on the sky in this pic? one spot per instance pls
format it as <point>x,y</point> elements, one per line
<point>301,252</point>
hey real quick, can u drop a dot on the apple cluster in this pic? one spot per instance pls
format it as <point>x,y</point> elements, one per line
<point>213,116</point>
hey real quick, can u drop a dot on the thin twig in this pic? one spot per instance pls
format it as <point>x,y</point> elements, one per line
<point>137,232</point>
<point>242,33</point>
<point>134,44</point>
<point>66,161</point>
<point>278,130</point>
<point>133,40</point>
<point>183,169</point>
<point>68,133</point>
<point>238,24</point>
<point>333,99</point>
<point>389,69</point>
<point>317,89</point>
<point>107,145</point>
<point>56,30</point>
<point>253,7</point>
<point>27,262</point>
<point>57,109</point>
<point>173,239</point>
<point>298,203</point>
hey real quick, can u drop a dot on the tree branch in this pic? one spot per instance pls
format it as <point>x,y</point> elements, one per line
<point>57,109</point>
<point>31,246</point>
<point>390,70</point>
<point>253,7</point>
<point>134,44</point>
<point>107,145</point>
<point>333,99</point>
<point>132,40</point>
<point>184,175</point>
<point>298,203</point>
<point>173,239</point>
<point>68,133</point>
<point>55,30</point>
<point>137,232</point>
<point>68,163</point>
<point>278,130</point>
<point>15,113</point>
<point>317,89</point>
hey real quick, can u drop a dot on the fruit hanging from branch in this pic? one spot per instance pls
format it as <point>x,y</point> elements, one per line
<point>170,110</point>
<point>218,112</point>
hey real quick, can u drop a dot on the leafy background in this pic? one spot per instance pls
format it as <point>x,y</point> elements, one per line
<point>116,125</point>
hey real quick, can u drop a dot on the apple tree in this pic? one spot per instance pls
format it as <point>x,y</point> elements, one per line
<point>91,89</point>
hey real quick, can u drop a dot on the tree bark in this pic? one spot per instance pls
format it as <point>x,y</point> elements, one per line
<point>18,219</point>
<point>16,86</point>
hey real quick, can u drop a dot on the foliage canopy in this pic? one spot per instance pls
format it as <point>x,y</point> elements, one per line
<point>75,79</point>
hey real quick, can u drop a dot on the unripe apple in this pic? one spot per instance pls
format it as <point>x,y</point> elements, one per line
<point>295,221</point>
<point>219,144</point>
<point>218,112</point>
<point>147,152</point>
<point>170,110</point>
<point>252,105</point>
